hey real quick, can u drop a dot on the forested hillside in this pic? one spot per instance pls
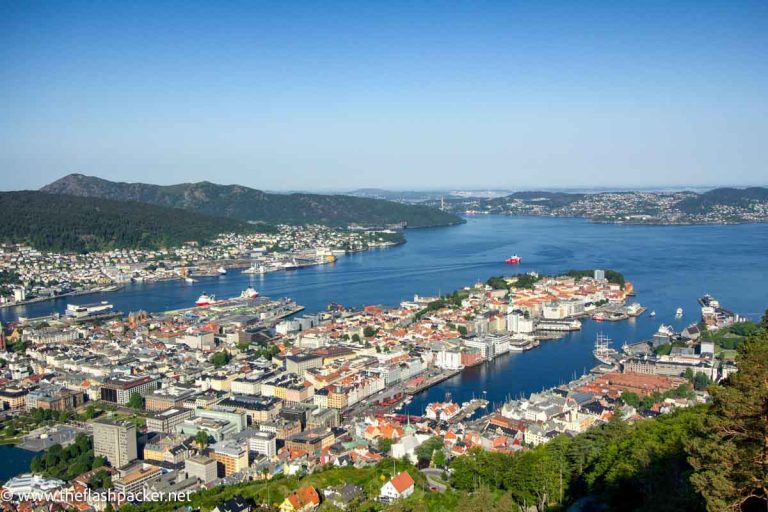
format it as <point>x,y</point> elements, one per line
<point>249,204</point>
<point>54,222</point>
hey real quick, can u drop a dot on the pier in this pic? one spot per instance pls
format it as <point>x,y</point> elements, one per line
<point>468,409</point>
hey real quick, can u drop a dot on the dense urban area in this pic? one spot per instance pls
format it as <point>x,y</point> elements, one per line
<point>244,404</point>
<point>29,275</point>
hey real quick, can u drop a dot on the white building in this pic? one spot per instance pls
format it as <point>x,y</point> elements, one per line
<point>262,443</point>
<point>401,486</point>
<point>448,359</point>
<point>519,324</point>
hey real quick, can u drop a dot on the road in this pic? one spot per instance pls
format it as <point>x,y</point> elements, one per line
<point>432,472</point>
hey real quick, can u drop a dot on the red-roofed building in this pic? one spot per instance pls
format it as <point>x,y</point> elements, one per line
<point>401,486</point>
<point>302,500</point>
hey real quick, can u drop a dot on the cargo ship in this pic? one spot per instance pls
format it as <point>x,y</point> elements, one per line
<point>513,260</point>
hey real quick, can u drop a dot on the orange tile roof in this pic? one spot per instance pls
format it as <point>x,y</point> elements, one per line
<point>402,481</point>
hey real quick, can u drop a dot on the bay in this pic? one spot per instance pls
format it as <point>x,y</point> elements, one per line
<point>671,266</point>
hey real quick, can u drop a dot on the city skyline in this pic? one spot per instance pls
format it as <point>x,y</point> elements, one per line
<point>399,96</point>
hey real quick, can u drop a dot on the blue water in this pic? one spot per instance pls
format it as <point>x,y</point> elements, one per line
<point>15,461</point>
<point>671,266</point>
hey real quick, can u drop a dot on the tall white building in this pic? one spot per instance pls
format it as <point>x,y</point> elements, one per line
<point>115,441</point>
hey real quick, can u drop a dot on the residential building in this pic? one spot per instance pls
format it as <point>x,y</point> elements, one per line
<point>400,486</point>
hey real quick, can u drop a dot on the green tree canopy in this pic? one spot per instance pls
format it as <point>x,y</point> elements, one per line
<point>730,452</point>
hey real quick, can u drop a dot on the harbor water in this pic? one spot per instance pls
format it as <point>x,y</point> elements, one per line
<point>670,266</point>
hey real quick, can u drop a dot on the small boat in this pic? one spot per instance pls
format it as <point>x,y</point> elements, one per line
<point>653,313</point>
<point>679,313</point>
<point>598,317</point>
<point>204,300</point>
<point>513,260</point>
<point>189,280</point>
<point>221,270</point>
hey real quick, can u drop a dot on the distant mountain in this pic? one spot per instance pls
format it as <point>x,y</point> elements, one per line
<point>65,223</point>
<point>249,204</point>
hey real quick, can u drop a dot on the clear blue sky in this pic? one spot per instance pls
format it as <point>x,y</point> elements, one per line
<point>402,95</point>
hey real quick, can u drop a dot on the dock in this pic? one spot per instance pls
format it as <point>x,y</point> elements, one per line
<point>428,383</point>
<point>468,409</point>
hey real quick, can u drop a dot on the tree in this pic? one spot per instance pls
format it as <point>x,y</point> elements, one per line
<point>90,412</point>
<point>220,358</point>
<point>368,331</point>
<point>701,381</point>
<point>730,454</point>
<point>202,438</point>
<point>438,458</point>
<point>630,398</point>
<point>136,401</point>
<point>497,283</point>
<point>384,445</point>
<point>426,449</point>
<point>462,330</point>
<point>479,501</point>
<point>356,338</point>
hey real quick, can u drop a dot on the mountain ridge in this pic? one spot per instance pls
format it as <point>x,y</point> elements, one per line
<point>249,204</point>
<point>67,223</point>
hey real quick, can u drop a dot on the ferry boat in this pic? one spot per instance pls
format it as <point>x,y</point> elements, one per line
<point>290,265</point>
<point>513,260</point>
<point>204,300</point>
<point>603,352</point>
<point>598,317</point>
<point>679,313</point>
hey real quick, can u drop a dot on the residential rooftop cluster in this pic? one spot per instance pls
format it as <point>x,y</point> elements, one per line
<point>241,390</point>
<point>625,207</point>
<point>30,275</point>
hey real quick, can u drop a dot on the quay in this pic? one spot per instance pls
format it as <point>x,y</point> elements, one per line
<point>428,383</point>
<point>468,409</point>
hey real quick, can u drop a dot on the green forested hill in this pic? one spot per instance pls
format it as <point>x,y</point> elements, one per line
<point>55,222</point>
<point>249,204</point>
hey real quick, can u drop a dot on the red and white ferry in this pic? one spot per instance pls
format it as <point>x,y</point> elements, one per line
<point>513,260</point>
<point>204,300</point>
